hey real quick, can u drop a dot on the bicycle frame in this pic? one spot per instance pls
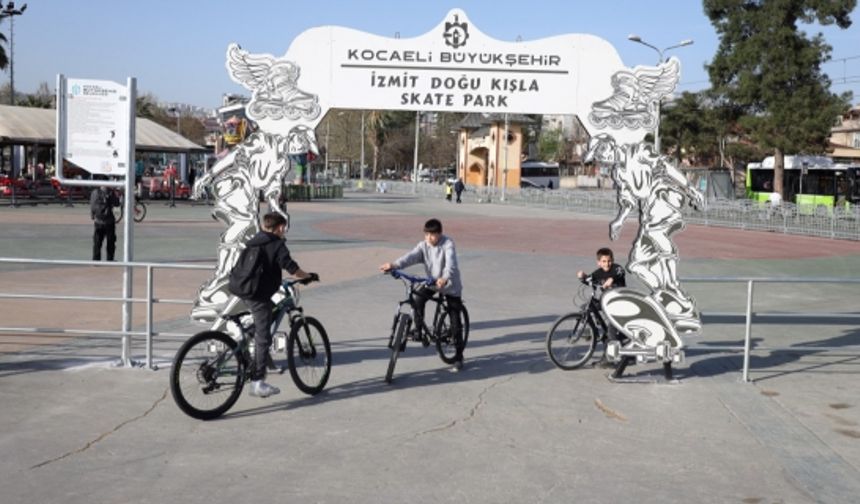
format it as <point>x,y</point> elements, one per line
<point>410,282</point>
<point>593,313</point>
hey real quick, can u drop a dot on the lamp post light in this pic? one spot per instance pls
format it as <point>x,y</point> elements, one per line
<point>636,38</point>
<point>178,113</point>
<point>9,11</point>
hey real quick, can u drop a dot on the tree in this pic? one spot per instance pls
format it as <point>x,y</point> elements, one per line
<point>42,98</point>
<point>380,124</point>
<point>772,71</point>
<point>4,59</point>
<point>147,106</point>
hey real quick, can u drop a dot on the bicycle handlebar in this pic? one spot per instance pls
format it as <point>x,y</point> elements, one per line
<point>411,279</point>
<point>304,281</point>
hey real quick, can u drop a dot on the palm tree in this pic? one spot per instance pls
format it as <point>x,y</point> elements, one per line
<point>4,60</point>
<point>377,125</point>
<point>380,124</point>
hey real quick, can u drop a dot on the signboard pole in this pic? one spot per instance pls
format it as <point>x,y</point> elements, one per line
<point>128,225</point>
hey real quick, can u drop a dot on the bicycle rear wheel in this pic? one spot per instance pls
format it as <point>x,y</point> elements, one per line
<point>208,375</point>
<point>400,328</point>
<point>309,355</point>
<point>446,340</point>
<point>571,341</point>
<point>139,211</point>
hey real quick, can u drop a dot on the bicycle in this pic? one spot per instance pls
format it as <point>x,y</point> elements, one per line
<point>441,335</point>
<point>210,369</point>
<point>646,334</point>
<point>573,337</point>
<point>139,209</point>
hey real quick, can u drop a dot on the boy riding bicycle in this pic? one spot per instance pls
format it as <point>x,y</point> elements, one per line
<point>608,275</point>
<point>274,256</point>
<point>439,256</point>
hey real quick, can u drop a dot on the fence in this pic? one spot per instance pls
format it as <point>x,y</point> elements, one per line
<point>149,299</point>
<point>749,316</point>
<point>787,218</point>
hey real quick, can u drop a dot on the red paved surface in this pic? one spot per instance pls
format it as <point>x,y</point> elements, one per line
<point>583,237</point>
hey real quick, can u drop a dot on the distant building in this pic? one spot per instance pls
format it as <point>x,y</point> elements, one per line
<point>845,138</point>
<point>483,157</point>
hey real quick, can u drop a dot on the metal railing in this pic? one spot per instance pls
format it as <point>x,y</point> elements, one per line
<point>149,299</point>
<point>749,315</point>
<point>787,218</point>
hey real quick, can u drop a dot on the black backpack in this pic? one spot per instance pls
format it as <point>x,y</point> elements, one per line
<point>246,277</point>
<point>102,210</point>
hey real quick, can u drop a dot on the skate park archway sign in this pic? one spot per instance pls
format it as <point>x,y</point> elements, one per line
<point>452,68</point>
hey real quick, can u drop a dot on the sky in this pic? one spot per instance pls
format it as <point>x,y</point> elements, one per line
<point>176,48</point>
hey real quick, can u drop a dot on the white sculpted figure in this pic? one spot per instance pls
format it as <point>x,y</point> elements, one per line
<point>653,185</point>
<point>258,164</point>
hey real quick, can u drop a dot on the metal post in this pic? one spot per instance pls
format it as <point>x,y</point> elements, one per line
<point>11,60</point>
<point>361,171</point>
<point>149,297</point>
<point>327,133</point>
<point>505,170</point>
<point>746,374</point>
<point>128,226</point>
<point>172,192</point>
<point>415,155</point>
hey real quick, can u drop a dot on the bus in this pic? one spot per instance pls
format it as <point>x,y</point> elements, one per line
<point>538,174</point>
<point>808,181</point>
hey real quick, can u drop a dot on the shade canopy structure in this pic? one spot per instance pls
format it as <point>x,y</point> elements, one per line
<point>37,126</point>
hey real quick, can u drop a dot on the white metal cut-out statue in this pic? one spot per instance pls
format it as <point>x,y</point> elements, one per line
<point>258,164</point>
<point>652,185</point>
<point>636,96</point>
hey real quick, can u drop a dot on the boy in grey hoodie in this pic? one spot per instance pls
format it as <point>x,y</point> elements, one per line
<point>439,257</point>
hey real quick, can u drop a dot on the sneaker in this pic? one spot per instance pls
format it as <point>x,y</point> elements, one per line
<point>259,388</point>
<point>457,367</point>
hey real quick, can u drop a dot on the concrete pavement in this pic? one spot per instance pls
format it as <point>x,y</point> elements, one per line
<point>509,428</point>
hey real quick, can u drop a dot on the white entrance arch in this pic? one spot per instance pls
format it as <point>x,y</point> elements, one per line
<point>456,68</point>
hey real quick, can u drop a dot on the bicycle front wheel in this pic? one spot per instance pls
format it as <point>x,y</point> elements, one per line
<point>207,376</point>
<point>400,328</point>
<point>571,341</point>
<point>139,211</point>
<point>309,355</point>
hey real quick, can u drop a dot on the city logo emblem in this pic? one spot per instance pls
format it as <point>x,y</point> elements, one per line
<point>456,33</point>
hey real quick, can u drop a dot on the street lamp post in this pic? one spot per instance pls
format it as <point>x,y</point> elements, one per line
<point>361,167</point>
<point>10,12</point>
<point>178,113</point>
<point>415,154</point>
<point>636,38</point>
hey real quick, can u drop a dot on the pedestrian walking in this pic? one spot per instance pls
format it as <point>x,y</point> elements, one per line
<point>102,203</point>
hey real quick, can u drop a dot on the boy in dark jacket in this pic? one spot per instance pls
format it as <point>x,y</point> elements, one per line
<point>608,275</point>
<point>277,257</point>
<point>102,203</point>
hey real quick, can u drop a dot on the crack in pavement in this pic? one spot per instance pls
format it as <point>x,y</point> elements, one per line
<point>103,435</point>
<point>471,414</point>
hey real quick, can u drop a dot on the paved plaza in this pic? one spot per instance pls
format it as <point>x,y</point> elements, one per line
<point>509,427</point>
